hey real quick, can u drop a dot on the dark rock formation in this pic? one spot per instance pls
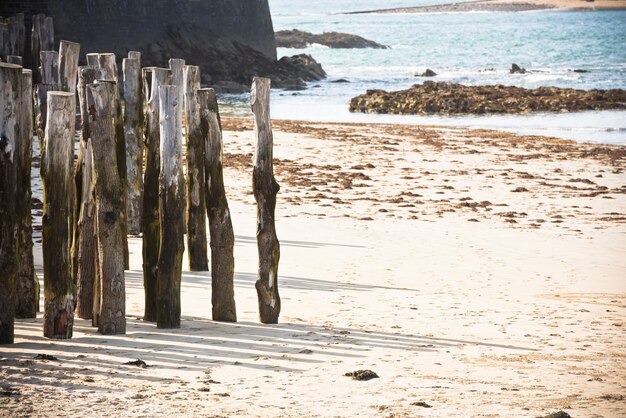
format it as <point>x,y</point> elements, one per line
<point>451,98</point>
<point>231,40</point>
<point>516,69</point>
<point>427,73</point>
<point>298,39</point>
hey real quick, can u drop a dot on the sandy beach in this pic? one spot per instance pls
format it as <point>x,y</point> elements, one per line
<point>508,6</point>
<point>478,273</point>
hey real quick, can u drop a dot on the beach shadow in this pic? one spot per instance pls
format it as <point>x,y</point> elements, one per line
<point>241,239</point>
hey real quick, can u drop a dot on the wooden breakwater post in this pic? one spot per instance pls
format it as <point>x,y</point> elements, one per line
<point>110,207</point>
<point>265,188</point>
<point>84,237</point>
<point>195,193</point>
<point>153,78</point>
<point>42,39</point>
<point>49,75</point>
<point>220,222</point>
<point>172,209</point>
<point>11,81</point>
<point>133,112</point>
<point>27,299</point>
<point>56,168</point>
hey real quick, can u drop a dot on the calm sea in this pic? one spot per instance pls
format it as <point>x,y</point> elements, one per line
<point>469,48</point>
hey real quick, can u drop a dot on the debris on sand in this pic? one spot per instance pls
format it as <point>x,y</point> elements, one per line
<point>138,363</point>
<point>559,414</point>
<point>422,404</point>
<point>362,375</point>
<point>45,357</point>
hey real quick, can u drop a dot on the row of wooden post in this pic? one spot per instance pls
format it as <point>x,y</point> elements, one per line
<point>88,209</point>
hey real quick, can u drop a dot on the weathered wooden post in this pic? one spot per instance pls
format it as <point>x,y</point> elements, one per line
<point>4,40</point>
<point>265,189</point>
<point>49,67</point>
<point>196,205</point>
<point>49,75</point>
<point>131,69</point>
<point>177,66</point>
<point>172,209</point>
<point>10,80</point>
<point>152,79</point>
<point>35,45</point>
<point>46,38</point>
<point>220,223</point>
<point>92,59</point>
<point>27,301</point>
<point>21,35</point>
<point>56,171</point>
<point>110,207</point>
<point>84,237</point>
<point>69,53</point>
<point>14,59</point>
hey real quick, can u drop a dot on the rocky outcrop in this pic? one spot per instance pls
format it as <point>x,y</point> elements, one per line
<point>298,39</point>
<point>231,40</point>
<point>516,69</point>
<point>427,73</point>
<point>451,98</point>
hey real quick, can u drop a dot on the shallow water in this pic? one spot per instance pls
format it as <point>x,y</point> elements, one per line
<point>469,48</point>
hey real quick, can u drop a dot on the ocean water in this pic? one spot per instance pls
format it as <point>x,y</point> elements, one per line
<point>469,48</point>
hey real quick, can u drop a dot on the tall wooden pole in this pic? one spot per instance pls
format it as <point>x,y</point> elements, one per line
<point>172,209</point>
<point>69,53</point>
<point>49,76</point>
<point>110,207</point>
<point>196,205</point>
<point>56,171</point>
<point>152,79</point>
<point>131,69</point>
<point>265,189</point>
<point>85,239</point>
<point>4,40</point>
<point>11,82</point>
<point>220,223</point>
<point>27,301</point>
<point>35,45</point>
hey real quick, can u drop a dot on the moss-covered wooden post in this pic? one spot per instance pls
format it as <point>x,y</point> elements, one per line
<point>220,223</point>
<point>27,301</point>
<point>152,79</point>
<point>56,171</point>
<point>85,238</point>
<point>265,189</point>
<point>172,209</point>
<point>131,68</point>
<point>196,206</point>
<point>110,207</point>
<point>11,82</point>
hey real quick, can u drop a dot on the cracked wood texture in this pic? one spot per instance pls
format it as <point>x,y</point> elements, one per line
<point>152,79</point>
<point>196,205</point>
<point>220,223</point>
<point>56,171</point>
<point>27,301</point>
<point>10,90</point>
<point>131,69</point>
<point>110,207</point>
<point>172,209</point>
<point>265,188</point>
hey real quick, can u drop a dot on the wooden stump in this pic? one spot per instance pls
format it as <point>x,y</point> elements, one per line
<point>265,189</point>
<point>92,59</point>
<point>196,205</point>
<point>56,170</point>
<point>11,82</point>
<point>152,79</point>
<point>134,142</point>
<point>220,223</point>
<point>27,301</point>
<point>110,207</point>
<point>172,209</point>
<point>68,65</point>
<point>84,249</point>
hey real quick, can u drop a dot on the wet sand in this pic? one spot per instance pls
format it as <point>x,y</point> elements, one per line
<point>477,272</point>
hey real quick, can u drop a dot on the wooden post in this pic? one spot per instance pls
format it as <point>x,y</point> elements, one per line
<point>131,69</point>
<point>172,209</point>
<point>196,205</point>
<point>110,207</point>
<point>4,40</point>
<point>265,189</point>
<point>152,79</point>
<point>21,35</point>
<point>220,223</point>
<point>11,82</point>
<point>14,34</point>
<point>177,66</point>
<point>135,55</point>
<point>68,65</point>
<point>84,250</point>
<point>92,59</point>
<point>56,168</point>
<point>49,67</point>
<point>49,75</point>
<point>47,34</point>
<point>35,45</point>
<point>27,301</point>
<point>14,59</point>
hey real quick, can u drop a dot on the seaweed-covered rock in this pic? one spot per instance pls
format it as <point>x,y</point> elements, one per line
<point>298,39</point>
<point>452,98</point>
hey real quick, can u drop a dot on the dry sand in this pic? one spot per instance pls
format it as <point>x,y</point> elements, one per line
<point>480,272</point>
<point>508,6</point>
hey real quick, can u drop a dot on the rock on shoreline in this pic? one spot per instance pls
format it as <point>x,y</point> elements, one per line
<point>298,39</point>
<point>452,98</point>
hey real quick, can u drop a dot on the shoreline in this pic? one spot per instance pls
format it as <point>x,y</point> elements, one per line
<point>449,261</point>
<point>506,6</point>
